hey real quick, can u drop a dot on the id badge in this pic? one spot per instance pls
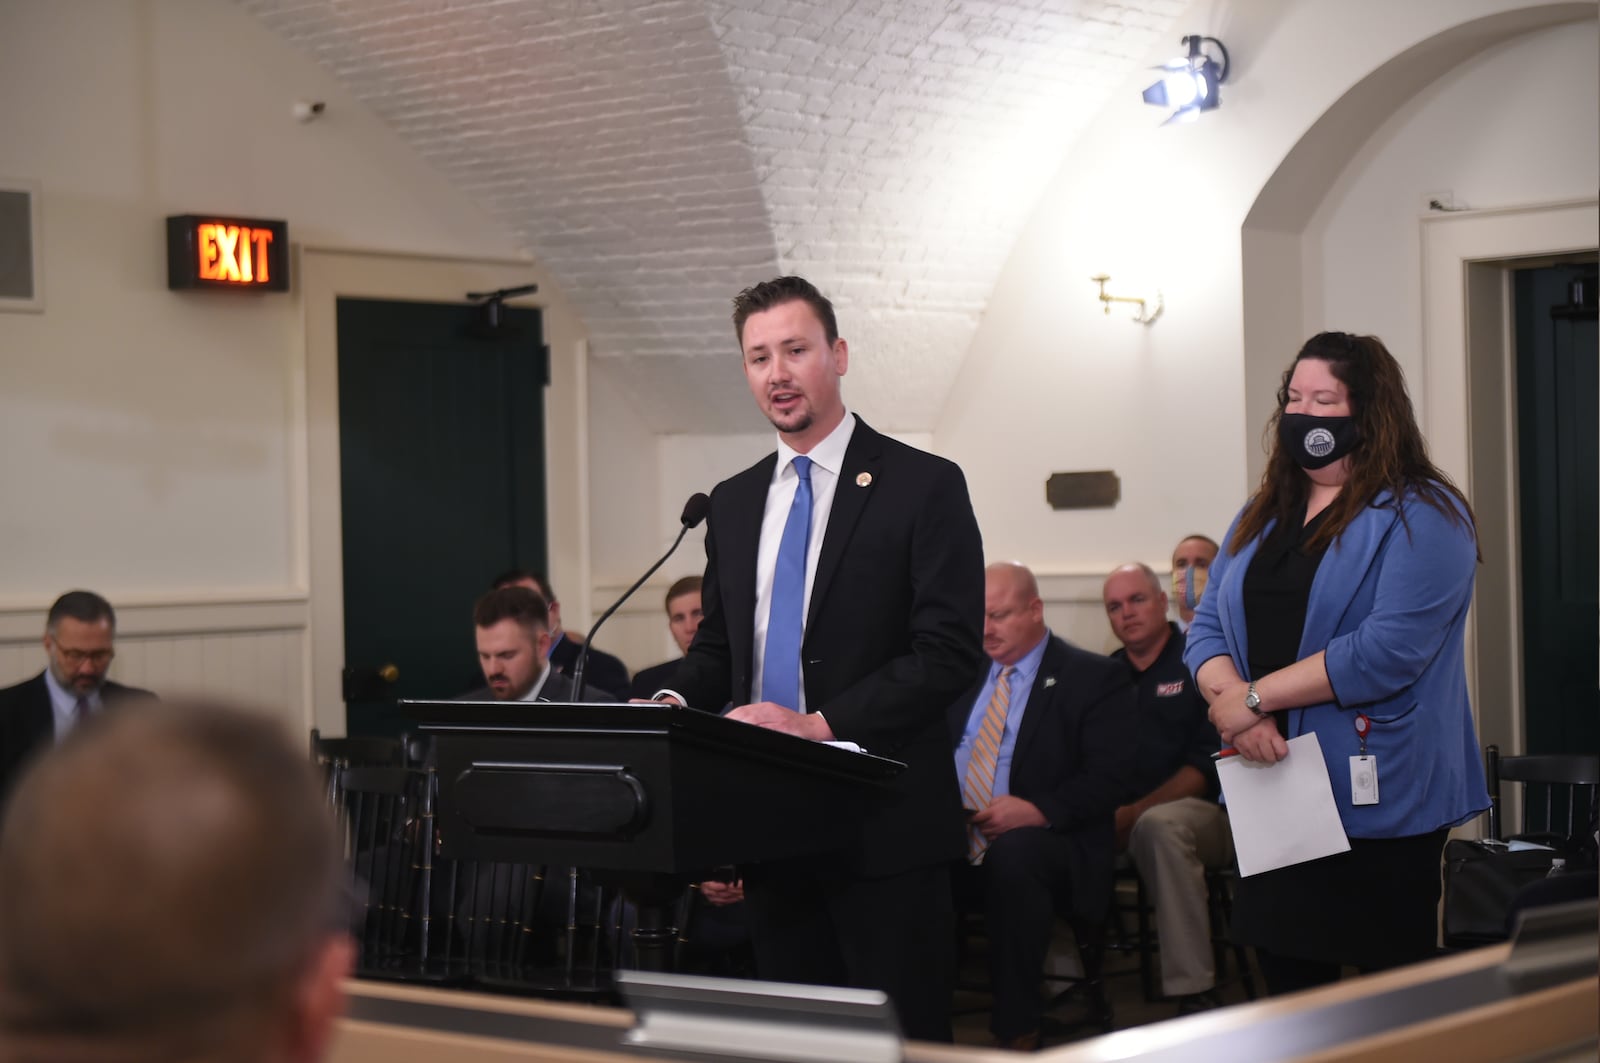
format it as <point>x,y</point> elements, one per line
<point>1363,780</point>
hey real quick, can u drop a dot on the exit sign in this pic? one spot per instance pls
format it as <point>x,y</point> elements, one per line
<point>211,251</point>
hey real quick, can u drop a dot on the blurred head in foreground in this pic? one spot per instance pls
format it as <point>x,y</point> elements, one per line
<point>172,889</point>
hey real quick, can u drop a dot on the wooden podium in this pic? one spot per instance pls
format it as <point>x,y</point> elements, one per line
<point>656,794</point>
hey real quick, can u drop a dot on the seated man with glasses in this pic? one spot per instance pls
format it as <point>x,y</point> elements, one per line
<point>39,712</point>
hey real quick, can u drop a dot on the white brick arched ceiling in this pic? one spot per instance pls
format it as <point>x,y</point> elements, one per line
<point>659,156</point>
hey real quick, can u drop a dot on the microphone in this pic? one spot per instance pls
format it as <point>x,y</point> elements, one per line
<point>694,511</point>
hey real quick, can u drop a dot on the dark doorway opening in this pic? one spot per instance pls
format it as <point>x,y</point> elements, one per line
<point>442,473</point>
<point>1558,457</point>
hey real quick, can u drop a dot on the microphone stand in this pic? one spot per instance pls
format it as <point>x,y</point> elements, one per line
<point>583,651</point>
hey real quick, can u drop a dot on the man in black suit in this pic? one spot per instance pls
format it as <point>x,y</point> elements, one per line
<point>843,586</point>
<point>603,673</point>
<point>513,636</point>
<point>513,648</point>
<point>683,620</point>
<point>78,639</point>
<point>1044,754</point>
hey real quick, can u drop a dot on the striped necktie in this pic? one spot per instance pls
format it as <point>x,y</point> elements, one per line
<point>977,790</point>
<point>80,711</point>
<point>780,662</point>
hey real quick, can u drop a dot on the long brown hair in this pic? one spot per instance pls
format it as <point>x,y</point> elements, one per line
<point>1391,455</point>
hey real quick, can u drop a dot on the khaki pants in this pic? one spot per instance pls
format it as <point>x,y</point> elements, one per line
<point>1173,845</point>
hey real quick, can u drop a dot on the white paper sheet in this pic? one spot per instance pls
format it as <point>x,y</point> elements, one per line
<point>1282,813</point>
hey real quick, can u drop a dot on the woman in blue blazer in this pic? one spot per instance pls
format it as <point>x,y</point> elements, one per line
<point>1337,606</point>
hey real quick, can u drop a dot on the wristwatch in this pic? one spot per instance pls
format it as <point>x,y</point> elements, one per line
<point>1252,700</point>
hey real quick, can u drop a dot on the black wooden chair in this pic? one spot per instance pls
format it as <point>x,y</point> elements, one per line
<point>386,815</point>
<point>364,750</point>
<point>1087,988</point>
<point>531,929</point>
<point>1558,798</point>
<point>1547,857</point>
<point>1131,899</point>
<point>1084,993</point>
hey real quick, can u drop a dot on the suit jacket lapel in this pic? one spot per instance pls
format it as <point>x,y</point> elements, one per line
<point>739,543</point>
<point>40,718</point>
<point>1343,569</point>
<point>864,456</point>
<point>960,711</point>
<point>1039,695</point>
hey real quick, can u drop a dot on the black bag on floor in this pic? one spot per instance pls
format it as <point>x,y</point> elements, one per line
<point>1479,883</point>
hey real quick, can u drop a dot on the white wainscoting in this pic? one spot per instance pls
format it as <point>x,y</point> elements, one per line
<point>1075,610</point>
<point>252,650</point>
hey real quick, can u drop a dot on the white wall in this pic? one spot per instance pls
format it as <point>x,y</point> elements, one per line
<point>151,442</point>
<point>1052,384</point>
<point>1510,128</point>
<point>660,475</point>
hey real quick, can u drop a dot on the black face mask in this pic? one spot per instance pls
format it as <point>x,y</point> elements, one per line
<point>1313,442</point>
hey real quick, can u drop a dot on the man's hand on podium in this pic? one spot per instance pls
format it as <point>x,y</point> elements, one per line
<point>722,894</point>
<point>775,717</point>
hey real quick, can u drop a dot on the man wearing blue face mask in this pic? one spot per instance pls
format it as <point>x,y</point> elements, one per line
<point>1191,564</point>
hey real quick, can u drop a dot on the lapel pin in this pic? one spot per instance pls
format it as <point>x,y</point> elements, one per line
<point>1049,681</point>
<point>864,480</point>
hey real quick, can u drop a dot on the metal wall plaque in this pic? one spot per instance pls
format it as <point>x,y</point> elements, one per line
<point>19,246</point>
<point>1083,490</point>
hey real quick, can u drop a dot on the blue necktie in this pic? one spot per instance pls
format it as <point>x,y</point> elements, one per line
<point>780,665</point>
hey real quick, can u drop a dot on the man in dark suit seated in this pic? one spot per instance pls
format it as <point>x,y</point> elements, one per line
<point>603,672</point>
<point>172,889</point>
<point>683,620</point>
<point>78,639</point>
<point>1044,748</point>
<point>513,637</point>
<point>718,938</point>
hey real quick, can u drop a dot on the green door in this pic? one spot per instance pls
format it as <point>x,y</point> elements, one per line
<point>1558,440</point>
<point>441,455</point>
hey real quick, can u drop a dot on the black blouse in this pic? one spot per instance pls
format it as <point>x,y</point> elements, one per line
<point>1277,590</point>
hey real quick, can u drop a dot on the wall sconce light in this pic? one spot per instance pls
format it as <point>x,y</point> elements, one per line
<point>1145,315</point>
<point>1190,84</point>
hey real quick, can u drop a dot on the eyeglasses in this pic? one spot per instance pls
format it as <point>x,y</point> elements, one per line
<point>77,657</point>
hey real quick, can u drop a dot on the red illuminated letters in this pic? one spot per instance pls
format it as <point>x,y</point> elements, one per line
<point>235,254</point>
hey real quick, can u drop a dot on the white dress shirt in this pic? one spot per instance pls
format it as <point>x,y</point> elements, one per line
<point>64,704</point>
<point>538,684</point>
<point>827,459</point>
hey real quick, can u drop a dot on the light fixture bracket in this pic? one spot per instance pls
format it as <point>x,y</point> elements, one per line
<point>1146,313</point>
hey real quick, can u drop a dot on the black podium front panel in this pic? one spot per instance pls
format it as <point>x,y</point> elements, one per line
<point>637,787</point>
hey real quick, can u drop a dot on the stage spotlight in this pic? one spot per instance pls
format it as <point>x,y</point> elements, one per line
<point>1190,83</point>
